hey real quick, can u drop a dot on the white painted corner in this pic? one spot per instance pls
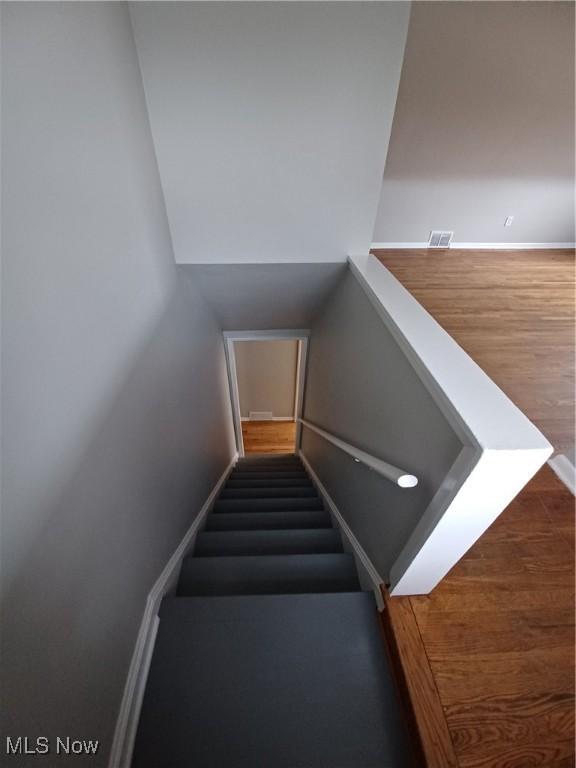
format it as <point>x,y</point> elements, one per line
<point>565,470</point>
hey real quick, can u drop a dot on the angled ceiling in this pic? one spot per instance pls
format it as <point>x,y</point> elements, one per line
<point>271,123</point>
<point>265,296</point>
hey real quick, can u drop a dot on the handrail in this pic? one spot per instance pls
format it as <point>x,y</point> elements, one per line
<point>389,471</point>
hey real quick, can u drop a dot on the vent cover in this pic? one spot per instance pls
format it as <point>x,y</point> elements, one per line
<point>440,239</point>
<point>261,416</point>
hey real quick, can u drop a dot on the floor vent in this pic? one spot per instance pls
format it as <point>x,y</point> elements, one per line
<point>440,239</point>
<point>261,416</point>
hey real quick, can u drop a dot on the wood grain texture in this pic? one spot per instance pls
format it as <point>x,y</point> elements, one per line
<point>415,679</point>
<point>513,312</point>
<point>498,636</point>
<point>269,436</point>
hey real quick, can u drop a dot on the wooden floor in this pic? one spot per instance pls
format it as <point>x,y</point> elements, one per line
<point>513,312</point>
<point>489,655</point>
<point>269,436</point>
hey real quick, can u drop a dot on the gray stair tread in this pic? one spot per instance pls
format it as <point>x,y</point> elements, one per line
<point>256,458</point>
<point>263,493</point>
<point>210,543</point>
<point>269,471</point>
<point>276,472</point>
<point>285,519</point>
<point>235,482</point>
<point>267,574</point>
<point>261,505</point>
<point>290,681</point>
<point>247,463</point>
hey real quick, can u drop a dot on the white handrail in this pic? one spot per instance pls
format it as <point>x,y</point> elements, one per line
<point>389,471</point>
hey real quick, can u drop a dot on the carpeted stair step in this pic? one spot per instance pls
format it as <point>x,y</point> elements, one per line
<point>267,505</point>
<point>236,482</point>
<point>264,466</point>
<point>290,681</point>
<point>285,519</point>
<point>267,575</point>
<point>247,461</point>
<point>267,493</point>
<point>272,475</point>
<point>279,542</point>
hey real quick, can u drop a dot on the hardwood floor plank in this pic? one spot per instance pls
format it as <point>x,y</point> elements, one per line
<point>433,733</point>
<point>498,635</point>
<point>513,312</point>
<point>466,680</point>
<point>269,436</point>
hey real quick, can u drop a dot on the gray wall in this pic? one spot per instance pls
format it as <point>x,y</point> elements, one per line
<point>115,408</point>
<point>361,388</point>
<point>484,125</point>
<point>271,122</point>
<point>266,372</point>
<point>247,297</point>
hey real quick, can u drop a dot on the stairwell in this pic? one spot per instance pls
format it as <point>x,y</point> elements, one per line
<point>270,654</point>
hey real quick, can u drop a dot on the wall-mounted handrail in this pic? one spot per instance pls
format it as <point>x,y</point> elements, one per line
<point>389,471</point>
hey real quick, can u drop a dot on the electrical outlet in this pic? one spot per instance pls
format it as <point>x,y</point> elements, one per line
<point>509,220</point>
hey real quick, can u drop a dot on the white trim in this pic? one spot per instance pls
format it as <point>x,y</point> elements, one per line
<point>297,382</point>
<point>300,389</point>
<point>274,418</point>
<point>234,393</point>
<point>331,258</point>
<point>277,335</point>
<point>129,713</point>
<point>455,519</point>
<point>565,470</point>
<point>301,335</point>
<point>397,476</point>
<point>501,449</point>
<point>363,561</point>
<point>474,246</point>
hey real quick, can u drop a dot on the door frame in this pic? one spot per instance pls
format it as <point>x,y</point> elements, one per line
<point>299,335</point>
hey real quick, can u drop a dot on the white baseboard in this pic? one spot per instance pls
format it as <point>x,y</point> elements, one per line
<point>274,418</point>
<point>127,723</point>
<point>363,560</point>
<point>565,470</point>
<point>476,246</point>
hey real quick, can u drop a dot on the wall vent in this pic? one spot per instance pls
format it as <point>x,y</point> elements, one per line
<point>261,416</point>
<point>440,239</point>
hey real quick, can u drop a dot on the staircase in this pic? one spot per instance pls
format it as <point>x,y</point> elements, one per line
<point>270,655</point>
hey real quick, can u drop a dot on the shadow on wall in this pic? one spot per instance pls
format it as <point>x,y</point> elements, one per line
<point>362,388</point>
<point>76,588</point>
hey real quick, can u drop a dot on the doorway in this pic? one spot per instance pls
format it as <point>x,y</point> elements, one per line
<point>266,373</point>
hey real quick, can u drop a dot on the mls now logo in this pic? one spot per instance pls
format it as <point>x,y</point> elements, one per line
<point>23,745</point>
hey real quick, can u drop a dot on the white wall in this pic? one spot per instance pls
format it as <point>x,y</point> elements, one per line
<point>266,372</point>
<point>484,125</point>
<point>115,406</point>
<point>271,123</point>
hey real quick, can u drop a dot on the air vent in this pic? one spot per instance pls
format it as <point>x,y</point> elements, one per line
<point>261,416</point>
<point>440,239</point>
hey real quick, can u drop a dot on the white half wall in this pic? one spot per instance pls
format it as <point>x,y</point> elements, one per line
<point>501,449</point>
<point>271,123</point>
